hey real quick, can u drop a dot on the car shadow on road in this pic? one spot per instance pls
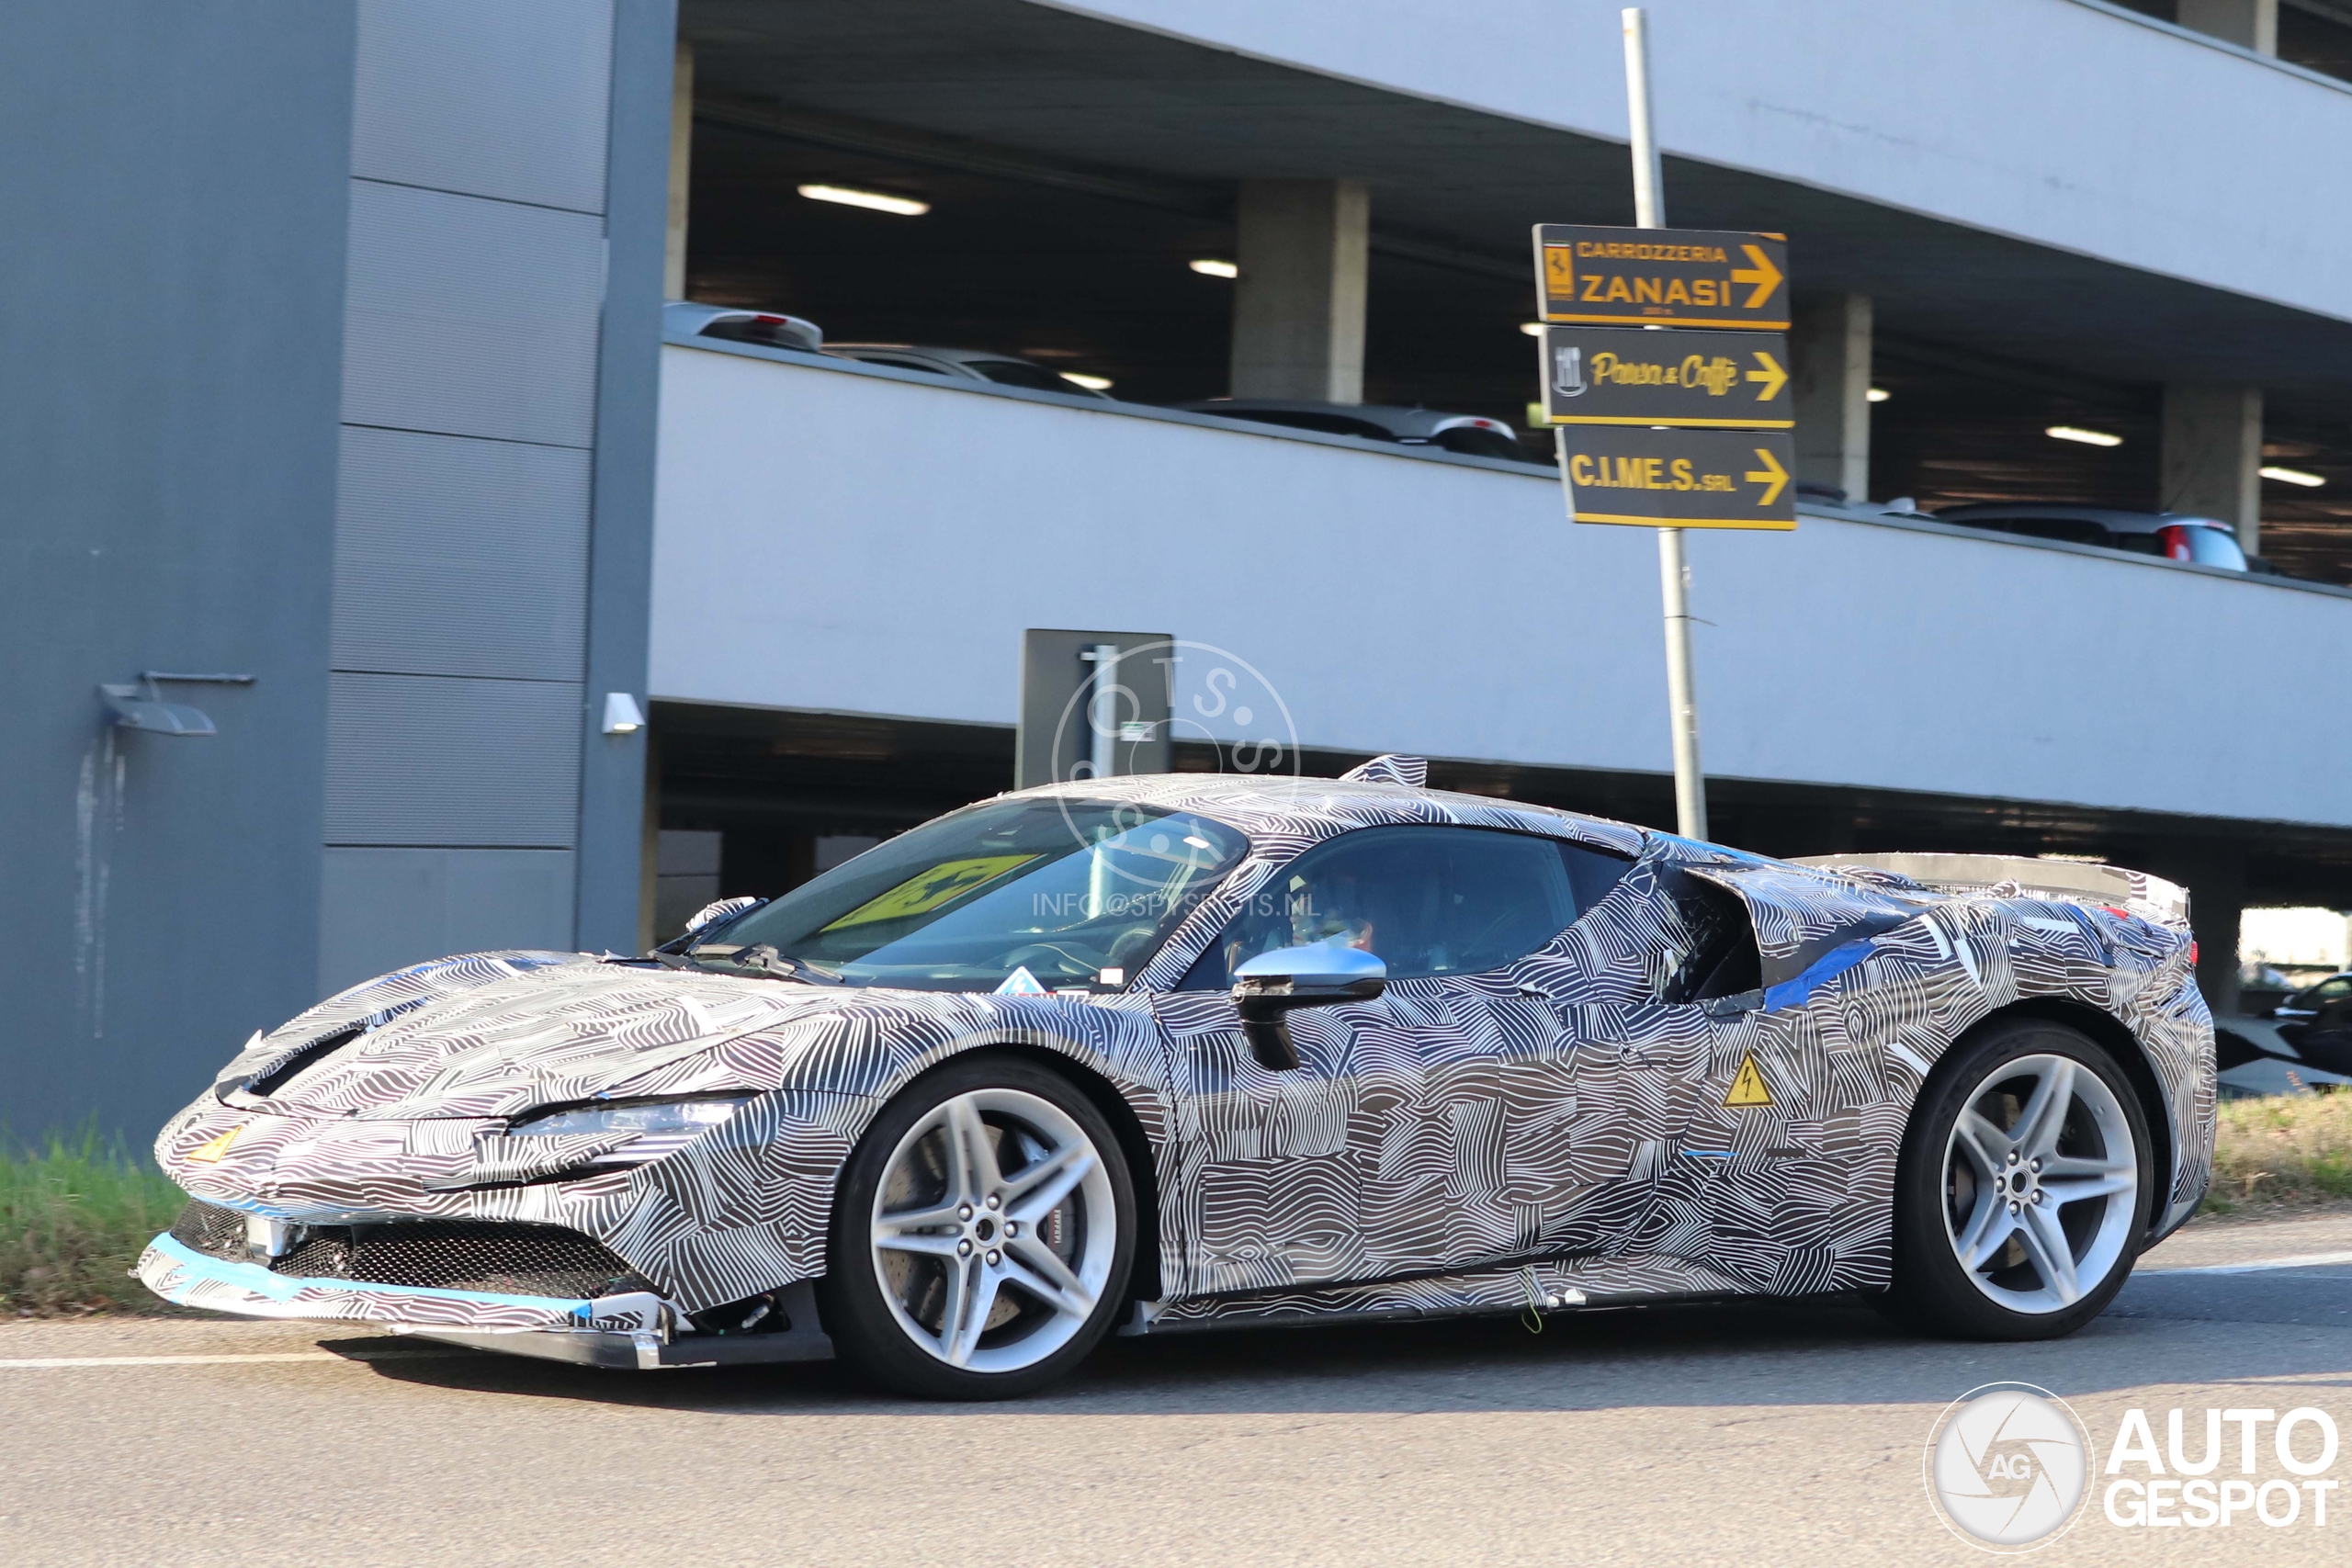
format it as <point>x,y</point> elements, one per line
<point>1762,1353</point>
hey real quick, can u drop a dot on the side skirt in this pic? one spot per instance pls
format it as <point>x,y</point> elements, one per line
<point>1541,1285</point>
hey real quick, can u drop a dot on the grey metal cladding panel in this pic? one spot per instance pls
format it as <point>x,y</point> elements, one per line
<point>507,99</point>
<point>471,317</point>
<point>382,909</point>
<point>429,760</point>
<point>458,557</point>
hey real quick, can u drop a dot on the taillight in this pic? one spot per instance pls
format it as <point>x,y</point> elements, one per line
<point>2175,539</point>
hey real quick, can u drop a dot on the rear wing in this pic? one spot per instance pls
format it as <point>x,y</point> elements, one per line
<point>2151,897</point>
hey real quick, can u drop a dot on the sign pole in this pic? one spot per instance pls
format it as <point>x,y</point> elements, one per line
<point>1674,575</point>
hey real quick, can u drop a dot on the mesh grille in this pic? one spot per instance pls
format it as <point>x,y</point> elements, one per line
<point>210,1228</point>
<point>462,1254</point>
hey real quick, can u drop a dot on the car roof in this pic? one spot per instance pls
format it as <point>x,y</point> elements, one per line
<point>2117,519</point>
<point>1400,421</point>
<point>931,350</point>
<point>1285,810</point>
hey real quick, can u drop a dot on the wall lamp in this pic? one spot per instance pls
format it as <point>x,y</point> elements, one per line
<point>622,716</point>
<point>139,704</point>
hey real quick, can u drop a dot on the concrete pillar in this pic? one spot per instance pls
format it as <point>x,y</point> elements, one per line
<point>1299,306</point>
<point>2251,23</point>
<point>682,144</point>
<point>2216,884</point>
<point>1829,347</point>
<point>2212,457</point>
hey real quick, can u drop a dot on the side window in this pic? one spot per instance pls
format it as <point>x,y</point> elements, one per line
<point>1423,900</point>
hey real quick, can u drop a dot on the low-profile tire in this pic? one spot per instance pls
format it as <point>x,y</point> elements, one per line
<point>2021,1195</point>
<point>982,1233</point>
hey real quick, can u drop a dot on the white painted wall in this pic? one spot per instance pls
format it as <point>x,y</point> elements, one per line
<point>852,541</point>
<point>2049,120</point>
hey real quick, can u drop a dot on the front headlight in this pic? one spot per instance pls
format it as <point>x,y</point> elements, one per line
<point>653,1128</point>
<point>656,1116</point>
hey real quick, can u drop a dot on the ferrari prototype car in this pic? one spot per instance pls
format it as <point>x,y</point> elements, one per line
<point>1179,1052</point>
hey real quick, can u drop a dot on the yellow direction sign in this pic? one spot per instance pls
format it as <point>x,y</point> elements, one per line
<point>1748,1089</point>
<point>1665,277</point>
<point>1678,479</point>
<point>1628,375</point>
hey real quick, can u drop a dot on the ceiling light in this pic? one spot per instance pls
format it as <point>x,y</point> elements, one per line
<point>2293,477</point>
<point>1533,329</point>
<point>1208,268</point>
<point>1091,383</point>
<point>1878,394</point>
<point>2088,437</point>
<point>873,200</point>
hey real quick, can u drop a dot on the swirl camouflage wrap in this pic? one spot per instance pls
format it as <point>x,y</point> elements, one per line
<point>1561,1129</point>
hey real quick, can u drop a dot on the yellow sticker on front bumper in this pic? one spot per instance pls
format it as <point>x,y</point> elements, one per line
<point>209,1151</point>
<point>1748,1089</point>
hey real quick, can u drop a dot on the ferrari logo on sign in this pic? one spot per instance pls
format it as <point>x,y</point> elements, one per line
<point>1748,1089</point>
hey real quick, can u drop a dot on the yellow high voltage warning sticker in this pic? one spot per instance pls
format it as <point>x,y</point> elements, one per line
<point>1748,1089</point>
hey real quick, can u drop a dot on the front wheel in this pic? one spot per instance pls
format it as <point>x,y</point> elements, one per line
<point>982,1233</point>
<point>2023,1188</point>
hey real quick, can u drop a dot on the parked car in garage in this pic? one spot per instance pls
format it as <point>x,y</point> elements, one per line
<point>967,364</point>
<point>2303,1006</point>
<point>2176,536</point>
<point>1467,433</point>
<point>768,328</point>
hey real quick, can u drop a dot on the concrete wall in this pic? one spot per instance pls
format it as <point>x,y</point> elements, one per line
<point>174,183</point>
<point>2027,117</point>
<point>1435,605</point>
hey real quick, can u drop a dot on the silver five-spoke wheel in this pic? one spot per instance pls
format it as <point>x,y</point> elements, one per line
<point>2041,1183</point>
<point>993,1233</point>
<point>2022,1194</point>
<point>983,1232</point>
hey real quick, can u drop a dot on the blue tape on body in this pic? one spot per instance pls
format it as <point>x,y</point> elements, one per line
<point>1826,968</point>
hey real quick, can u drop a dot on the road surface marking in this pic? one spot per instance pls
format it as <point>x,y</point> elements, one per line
<point>43,1363</point>
<point>2303,1261</point>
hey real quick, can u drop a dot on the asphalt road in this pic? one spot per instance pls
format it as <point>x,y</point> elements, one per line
<point>1759,1435</point>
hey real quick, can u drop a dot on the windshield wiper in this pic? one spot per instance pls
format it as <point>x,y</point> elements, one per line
<point>764,959</point>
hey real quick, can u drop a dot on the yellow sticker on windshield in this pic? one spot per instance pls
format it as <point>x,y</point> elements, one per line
<point>943,884</point>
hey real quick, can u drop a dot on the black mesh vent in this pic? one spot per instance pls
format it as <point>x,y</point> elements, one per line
<point>210,1228</point>
<point>464,1254</point>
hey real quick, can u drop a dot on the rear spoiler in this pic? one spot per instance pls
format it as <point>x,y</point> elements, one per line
<point>2151,897</point>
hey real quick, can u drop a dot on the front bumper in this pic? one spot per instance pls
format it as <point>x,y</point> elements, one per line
<point>633,1330</point>
<point>178,1272</point>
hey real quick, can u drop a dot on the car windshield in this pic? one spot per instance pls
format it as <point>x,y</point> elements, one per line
<point>1076,892</point>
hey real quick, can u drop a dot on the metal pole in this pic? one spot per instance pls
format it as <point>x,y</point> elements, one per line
<point>1674,577</point>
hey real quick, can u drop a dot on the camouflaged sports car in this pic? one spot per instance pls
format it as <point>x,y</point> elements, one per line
<point>1185,1052</point>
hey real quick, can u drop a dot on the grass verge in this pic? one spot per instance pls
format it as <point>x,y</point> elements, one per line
<point>75,1213</point>
<point>2290,1152</point>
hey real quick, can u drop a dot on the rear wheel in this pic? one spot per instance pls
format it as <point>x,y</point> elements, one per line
<point>2023,1188</point>
<point>982,1235</point>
